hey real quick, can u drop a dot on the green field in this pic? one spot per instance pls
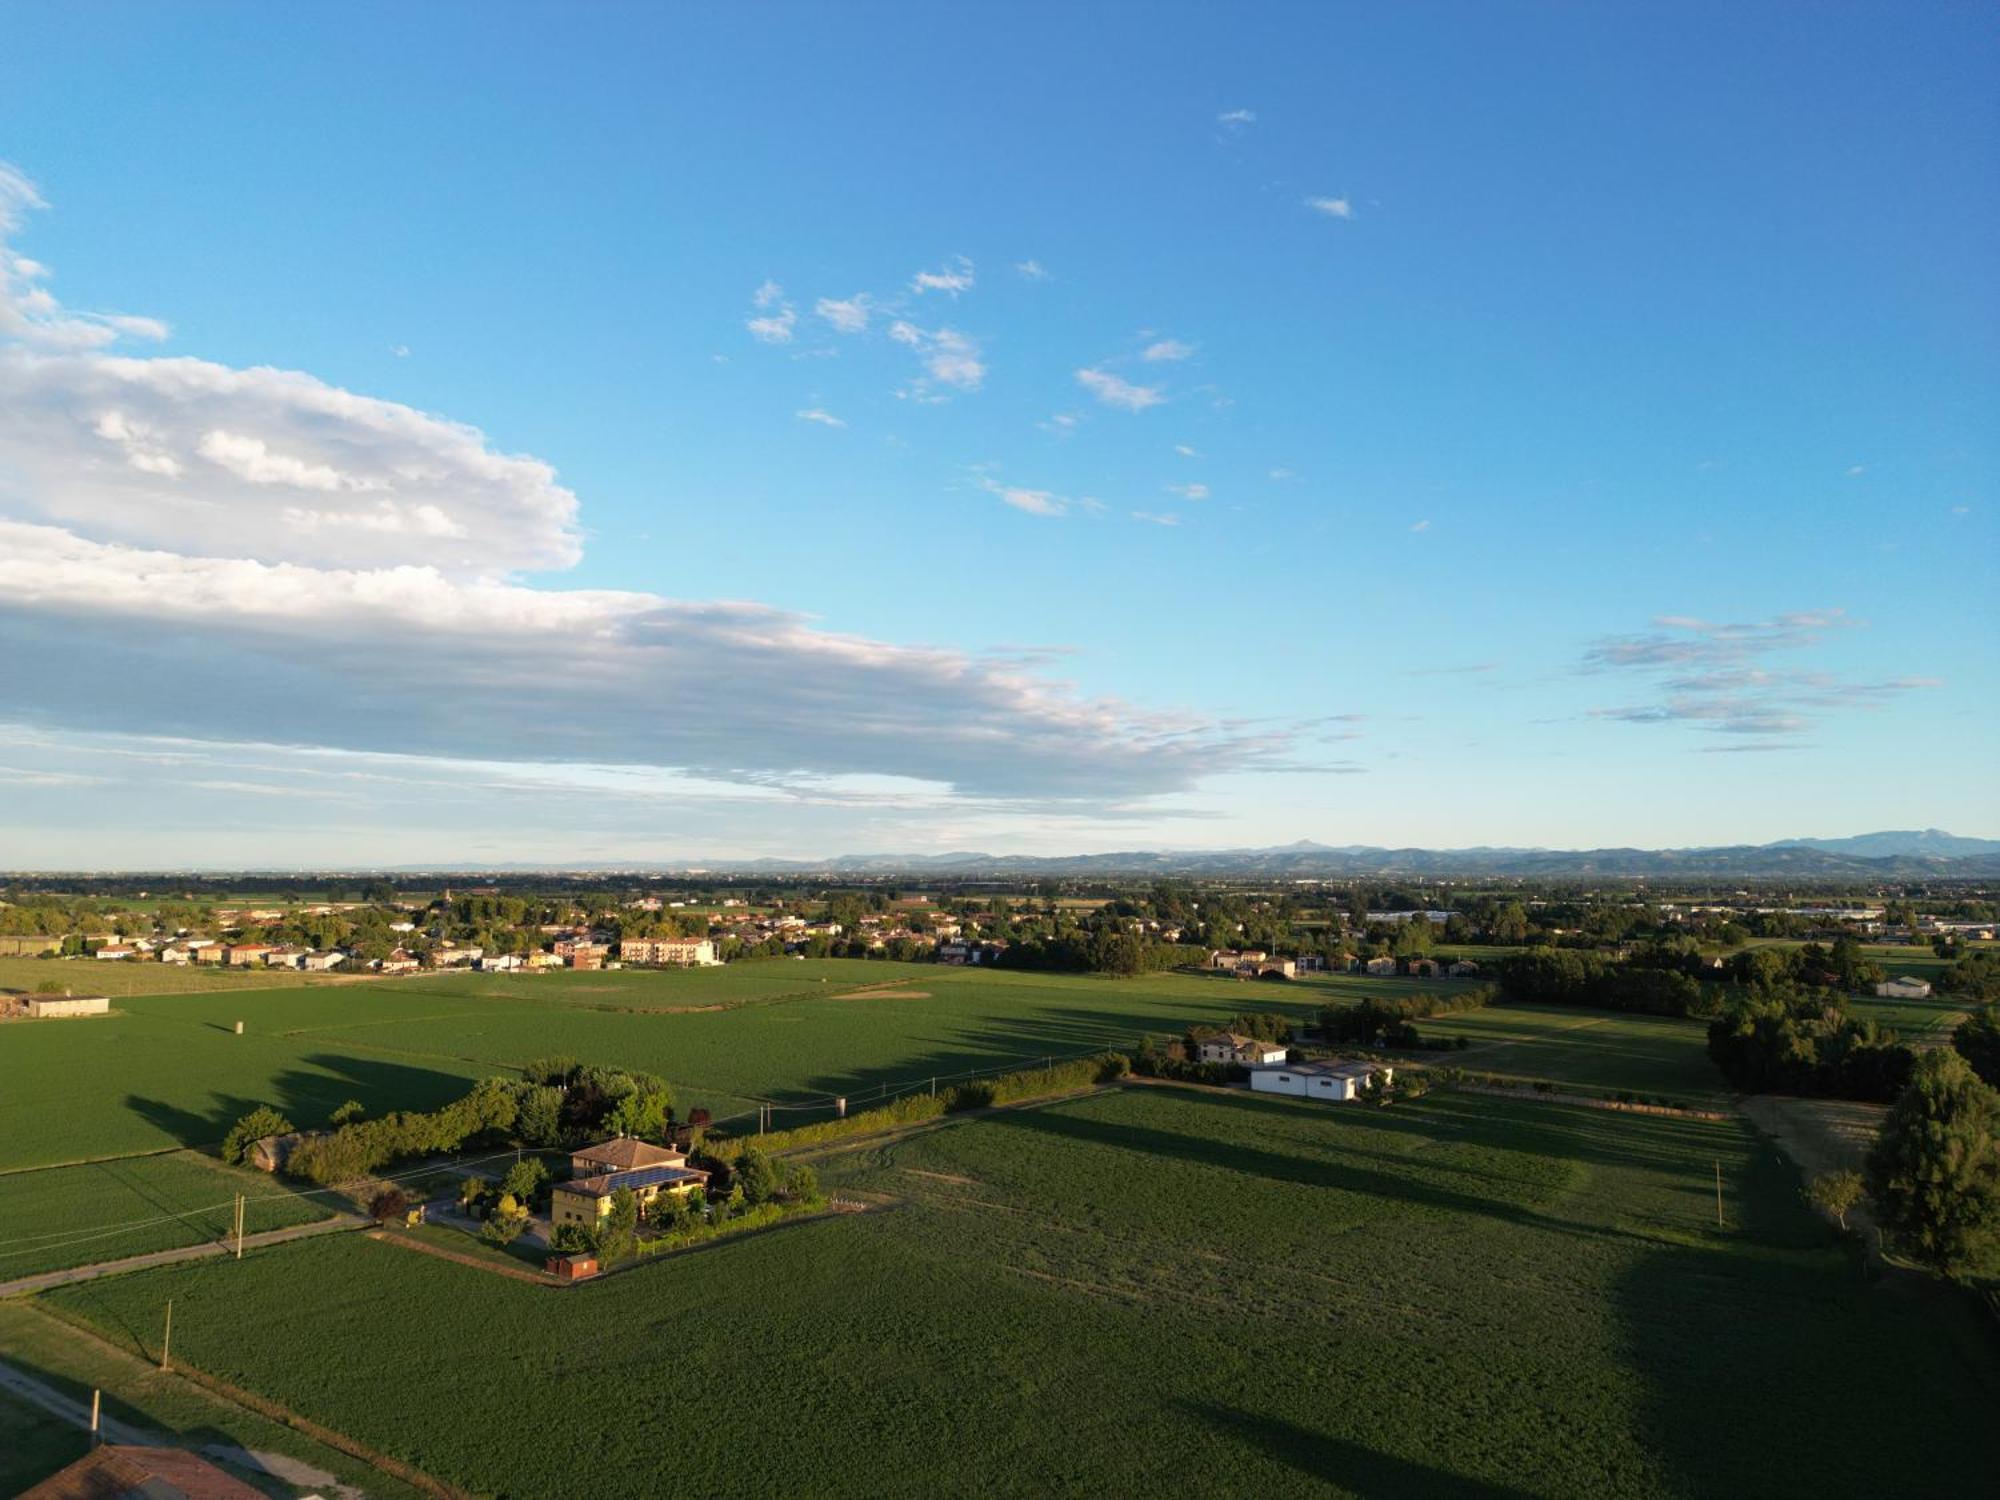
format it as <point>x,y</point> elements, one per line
<point>1156,1290</point>
<point>33,1443</point>
<point>1915,1021</point>
<point>73,1216</point>
<point>89,976</point>
<point>1592,1049</point>
<point>169,1070</point>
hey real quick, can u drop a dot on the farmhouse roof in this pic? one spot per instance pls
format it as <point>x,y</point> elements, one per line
<point>605,1184</point>
<point>627,1151</point>
<point>118,1470</point>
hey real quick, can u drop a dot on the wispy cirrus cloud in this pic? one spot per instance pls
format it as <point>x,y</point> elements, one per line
<point>1236,119</point>
<point>953,279</point>
<point>1167,351</point>
<point>819,415</point>
<point>1331,208</point>
<point>1116,390</point>
<point>1715,676</point>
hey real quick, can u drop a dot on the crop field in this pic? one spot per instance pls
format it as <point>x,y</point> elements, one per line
<point>49,1351</point>
<point>170,1071</point>
<point>89,976</point>
<point>1920,1022</point>
<point>1155,1290</point>
<point>72,1216</point>
<point>1592,1049</point>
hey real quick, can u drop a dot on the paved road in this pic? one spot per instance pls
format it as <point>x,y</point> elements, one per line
<point>48,1279</point>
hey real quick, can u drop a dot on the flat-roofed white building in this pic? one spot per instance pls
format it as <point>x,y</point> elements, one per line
<point>1333,1082</point>
<point>50,1006</point>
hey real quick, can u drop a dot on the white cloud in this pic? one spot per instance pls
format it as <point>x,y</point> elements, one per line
<point>401,351</point>
<point>847,315</point>
<point>774,328</point>
<point>1034,502</point>
<point>1156,520</point>
<point>1115,390</point>
<point>1333,208</point>
<point>182,453</point>
<point>950,358</point>
<point>252,554</point>
<point>1857,470</point>
<point>1062,423</point>
<point>407,661</point>
<point>1167,350</point>
<point>1186,451</point>
<point>1189,491</point>
<point>1236,117</point>
<point>768,295</point>
<point>824,418</point>
<point>1030,270</point>
<point>29,312</point>
<point>1421,526</point>
<point>953,279</point>
<point>1281,475</point>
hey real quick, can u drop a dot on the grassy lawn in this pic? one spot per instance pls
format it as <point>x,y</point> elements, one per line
<point>1915,1021</point>
<point>139,1393</point>
<point>1154,1290</point>
<point>72,1216</point>
<point>1593,1049</point>
<point>89,976</point>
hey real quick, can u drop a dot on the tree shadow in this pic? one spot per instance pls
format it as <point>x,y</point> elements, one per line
<point>1341,1463</point>
<point>307,1098</point>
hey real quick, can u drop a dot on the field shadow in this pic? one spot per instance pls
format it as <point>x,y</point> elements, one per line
<point>1341,1463</point>
<point>306,1098</point>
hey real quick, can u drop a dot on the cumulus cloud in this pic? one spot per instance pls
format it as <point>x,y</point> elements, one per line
<point>1332,208</point>
<point>1115,390</point>
<point>846,315</point>
<point>950,358</point>
<point>192,455</point>
<point>953,279</point>
<point>1712,675</point>
<point>1167,350</point>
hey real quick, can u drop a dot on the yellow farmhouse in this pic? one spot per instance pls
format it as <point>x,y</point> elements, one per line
<point>596,1172</point>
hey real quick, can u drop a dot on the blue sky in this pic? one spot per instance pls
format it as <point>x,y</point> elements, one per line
<point>674,432</point>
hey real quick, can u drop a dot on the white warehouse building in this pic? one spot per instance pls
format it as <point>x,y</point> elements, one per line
<point>1334,1082</point>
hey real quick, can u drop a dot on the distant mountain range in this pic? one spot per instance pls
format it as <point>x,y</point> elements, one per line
<point>1868,856</point>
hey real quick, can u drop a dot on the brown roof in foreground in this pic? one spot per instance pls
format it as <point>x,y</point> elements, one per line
<point>116,1471</point>
<point>626,1152</point>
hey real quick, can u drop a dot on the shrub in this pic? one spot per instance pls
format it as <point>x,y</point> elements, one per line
<point>389,1206</point>
<point>260,1122</point>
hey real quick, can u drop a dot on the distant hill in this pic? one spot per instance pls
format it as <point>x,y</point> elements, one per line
<point>1926,843</point>
<point>1881,856</point>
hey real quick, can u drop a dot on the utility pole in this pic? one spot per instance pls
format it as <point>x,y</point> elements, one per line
<point>239,1226</point>
<point>1718,1195</point>
<point>96,1408</point>
<point>167,1339</point>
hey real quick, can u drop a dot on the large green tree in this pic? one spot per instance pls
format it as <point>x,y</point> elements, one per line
<point>1934,1172</point>
<point>1978,1042</point>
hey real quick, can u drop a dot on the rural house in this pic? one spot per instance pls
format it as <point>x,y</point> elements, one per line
<point>1383,967</point>
<point>596,1172</point>
<point>1234,1047</point>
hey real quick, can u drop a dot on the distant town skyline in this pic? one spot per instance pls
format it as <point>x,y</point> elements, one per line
<point>671,437</point>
